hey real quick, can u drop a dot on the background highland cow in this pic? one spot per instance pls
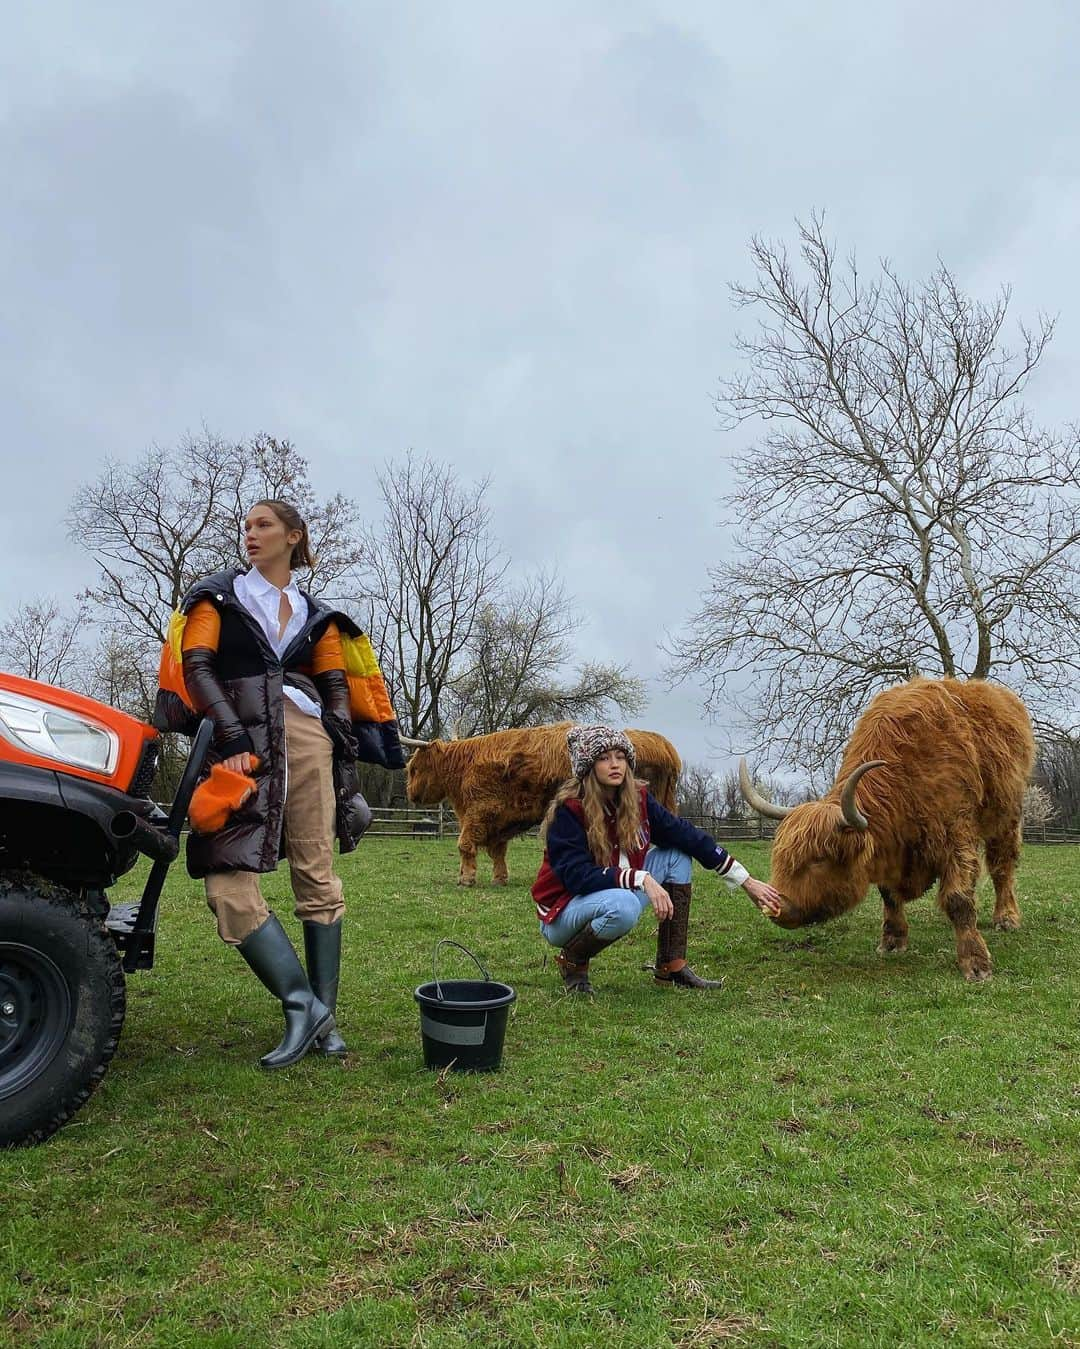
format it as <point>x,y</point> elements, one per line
<point>499,785</point>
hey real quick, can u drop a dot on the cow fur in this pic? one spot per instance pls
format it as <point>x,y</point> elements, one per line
<point>500,784</point>
<point>958,757</point>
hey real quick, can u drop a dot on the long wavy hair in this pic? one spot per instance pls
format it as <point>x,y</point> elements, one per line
<point>588,791</point>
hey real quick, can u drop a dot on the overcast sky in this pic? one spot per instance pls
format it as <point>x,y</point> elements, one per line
<point>498,233</point>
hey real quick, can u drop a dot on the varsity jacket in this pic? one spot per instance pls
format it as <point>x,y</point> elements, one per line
<point>569,870</point>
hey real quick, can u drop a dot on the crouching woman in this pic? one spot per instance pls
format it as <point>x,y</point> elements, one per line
<point>610,851</point>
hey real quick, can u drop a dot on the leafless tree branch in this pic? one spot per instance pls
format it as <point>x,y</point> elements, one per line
<point>901,513</point>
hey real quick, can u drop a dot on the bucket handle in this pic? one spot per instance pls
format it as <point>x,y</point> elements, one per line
<point>449,941</point>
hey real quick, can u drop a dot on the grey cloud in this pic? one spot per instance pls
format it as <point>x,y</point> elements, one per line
<point>499,234</point>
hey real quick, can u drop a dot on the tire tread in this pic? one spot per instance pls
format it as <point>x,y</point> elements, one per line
<point>50,893</point>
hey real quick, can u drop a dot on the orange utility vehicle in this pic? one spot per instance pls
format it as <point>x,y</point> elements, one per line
<point>75,813</point>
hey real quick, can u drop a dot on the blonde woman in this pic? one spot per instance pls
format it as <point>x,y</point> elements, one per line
<point>611,850</point>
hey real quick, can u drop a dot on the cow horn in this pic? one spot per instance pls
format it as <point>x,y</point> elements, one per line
<point>853,816</point>
<point>410,743</point>
<point>758,802</point>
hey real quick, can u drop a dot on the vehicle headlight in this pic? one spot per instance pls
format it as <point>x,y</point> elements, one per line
<point>53,733</point>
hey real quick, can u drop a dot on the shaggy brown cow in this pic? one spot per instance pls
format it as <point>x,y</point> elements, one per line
<point>500,784</point>
<point>947,763</point>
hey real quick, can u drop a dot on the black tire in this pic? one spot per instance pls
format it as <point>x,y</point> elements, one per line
<point>62,1002</point>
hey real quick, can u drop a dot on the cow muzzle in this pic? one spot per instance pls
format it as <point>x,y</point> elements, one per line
<point>790,915</point>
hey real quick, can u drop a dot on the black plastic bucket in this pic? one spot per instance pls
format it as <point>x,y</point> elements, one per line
<point>463,1021</point>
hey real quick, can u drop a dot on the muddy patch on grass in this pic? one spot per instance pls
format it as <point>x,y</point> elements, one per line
<point>726,1330</point>
<point>997,1147</point>
<point>1065,1273</point>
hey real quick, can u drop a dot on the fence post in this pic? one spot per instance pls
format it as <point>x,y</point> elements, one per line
<point>440,819</point>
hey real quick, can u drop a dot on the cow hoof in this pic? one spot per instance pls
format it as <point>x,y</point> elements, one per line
<point>978,974</point>
<point>467,880</point>
<point>891,947</point>
<point>501,880</point>
<point>1008,922</point>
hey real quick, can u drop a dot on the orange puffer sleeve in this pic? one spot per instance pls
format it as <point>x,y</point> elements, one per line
<point>328,654</point>
<point>203,627</point>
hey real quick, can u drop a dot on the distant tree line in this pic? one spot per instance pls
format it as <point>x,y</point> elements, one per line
<point>1051,802</point>
<point>708,795</point>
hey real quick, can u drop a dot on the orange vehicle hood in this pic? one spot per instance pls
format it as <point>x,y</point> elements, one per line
<point>132,733</point>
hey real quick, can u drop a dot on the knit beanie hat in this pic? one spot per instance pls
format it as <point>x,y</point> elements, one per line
<point>587,743</point>
<point>214,800</point>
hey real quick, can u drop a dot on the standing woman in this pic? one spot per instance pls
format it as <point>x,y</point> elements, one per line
<point>266,663</point>
<point>610,851</point>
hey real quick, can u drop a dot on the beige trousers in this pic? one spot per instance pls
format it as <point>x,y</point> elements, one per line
<point>309,828</point>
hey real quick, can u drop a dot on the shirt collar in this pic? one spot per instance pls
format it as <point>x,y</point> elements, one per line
<point>257,584</point>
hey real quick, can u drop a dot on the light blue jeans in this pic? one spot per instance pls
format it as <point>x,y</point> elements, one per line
<point>614,912</point>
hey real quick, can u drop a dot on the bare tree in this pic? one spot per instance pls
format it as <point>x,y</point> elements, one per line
<point>514,666</point>
<point>700,792</point>
<point>1038,808</point>
<point>274,470</point>
<point>431,564</point>
<point>42,640</point>
<point>901,513</point>
<point>1058,770</point>
<point>122,671</point>
<point>730,801</point>
<point>156,525</point>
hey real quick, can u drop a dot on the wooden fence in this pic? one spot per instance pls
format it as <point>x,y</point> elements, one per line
<point>1050,834</point>
<point>412,822</point>
<point>441,822</point>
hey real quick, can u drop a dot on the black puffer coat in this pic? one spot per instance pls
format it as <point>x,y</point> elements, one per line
<point>241,688</point>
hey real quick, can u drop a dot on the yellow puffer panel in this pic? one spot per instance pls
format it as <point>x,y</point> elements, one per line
<point>368,698</point>
<point>171,665</point>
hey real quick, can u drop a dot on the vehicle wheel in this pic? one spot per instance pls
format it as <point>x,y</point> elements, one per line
<point>61,1006</point>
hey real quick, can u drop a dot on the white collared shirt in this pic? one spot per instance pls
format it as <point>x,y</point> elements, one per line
<point>262,599</point>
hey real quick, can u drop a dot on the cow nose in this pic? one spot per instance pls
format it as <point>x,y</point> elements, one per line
<point>790,914</point>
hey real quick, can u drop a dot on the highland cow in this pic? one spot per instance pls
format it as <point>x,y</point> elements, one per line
<point>500,784</point>
<point>939,768</point>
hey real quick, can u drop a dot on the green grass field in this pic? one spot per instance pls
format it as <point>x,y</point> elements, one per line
<point>836,1149</point>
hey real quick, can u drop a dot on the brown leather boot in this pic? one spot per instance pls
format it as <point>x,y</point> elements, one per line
<point>574,959</point>
<point>672,971</point>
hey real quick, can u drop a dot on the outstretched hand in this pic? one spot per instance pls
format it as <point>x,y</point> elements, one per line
<point>765,897</point>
